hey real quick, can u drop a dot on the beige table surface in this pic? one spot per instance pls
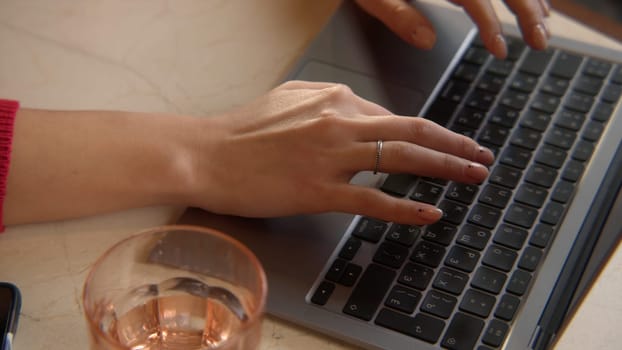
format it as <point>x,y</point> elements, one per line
<point>195,57</point>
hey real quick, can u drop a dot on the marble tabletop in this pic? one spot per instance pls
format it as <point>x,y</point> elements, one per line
<point>188,57</point>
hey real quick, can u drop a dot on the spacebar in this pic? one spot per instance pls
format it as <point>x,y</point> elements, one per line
<point>369,292</point>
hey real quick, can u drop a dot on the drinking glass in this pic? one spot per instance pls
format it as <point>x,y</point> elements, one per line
<point>178,288</point>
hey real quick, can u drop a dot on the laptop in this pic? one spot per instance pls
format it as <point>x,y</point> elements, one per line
<point>510,257</point>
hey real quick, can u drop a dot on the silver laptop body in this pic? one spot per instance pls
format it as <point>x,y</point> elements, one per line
<point>297,252</point>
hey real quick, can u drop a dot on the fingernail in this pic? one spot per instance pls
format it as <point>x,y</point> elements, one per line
<point>423,37</point>
<point>499,46</point>
<point>539,36</point>
<point>476,172</point>
<point>433,214</point>
<point>485,155</point>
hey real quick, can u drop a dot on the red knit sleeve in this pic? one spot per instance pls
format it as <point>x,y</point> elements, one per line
<point>8,109</point>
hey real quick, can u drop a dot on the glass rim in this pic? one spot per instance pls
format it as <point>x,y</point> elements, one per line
<point>254,316</point>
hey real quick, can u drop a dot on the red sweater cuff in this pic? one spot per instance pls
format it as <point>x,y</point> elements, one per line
<point>8,110</point>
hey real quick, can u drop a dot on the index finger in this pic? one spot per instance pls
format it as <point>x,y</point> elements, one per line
<point>485,17</point>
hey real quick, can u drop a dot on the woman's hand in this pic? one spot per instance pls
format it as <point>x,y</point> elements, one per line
<point>408,23</point>
<point>296,149</point>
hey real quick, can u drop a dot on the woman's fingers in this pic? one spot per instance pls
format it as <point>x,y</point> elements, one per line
<point>404,157</point>
<point>530,15</point>
<point>419,131</point>
<point>485,17</point>
<point>404,20</point>
<point>371,202</point>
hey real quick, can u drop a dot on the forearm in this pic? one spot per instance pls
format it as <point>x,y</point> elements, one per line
<point>71,164</point>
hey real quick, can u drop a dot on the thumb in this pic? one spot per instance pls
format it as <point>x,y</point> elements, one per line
<point>403,19</point>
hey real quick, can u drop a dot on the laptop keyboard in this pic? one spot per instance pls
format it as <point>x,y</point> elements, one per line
<point>459,283</point>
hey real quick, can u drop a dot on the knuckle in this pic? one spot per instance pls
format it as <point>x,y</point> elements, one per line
<point>419,127</point>
<point>340,92</point>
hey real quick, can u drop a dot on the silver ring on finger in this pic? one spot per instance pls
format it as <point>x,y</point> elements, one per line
<point>378,156</point>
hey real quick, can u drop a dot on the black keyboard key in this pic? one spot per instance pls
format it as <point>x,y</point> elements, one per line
<point>531,195</point>
<point>588,85</point>
<point>427,192</point>
<point>404,234</point>
<point>495,333</point>
<point>454,91</point>
<point>551,156</point>
<point>536,61</point>
<point>541,235</point>
<point>517,157</point>
<point>541,175</point>
<point>579,102</point>
<point>504,116</point>
<point>461,192</point>
<point>535,120</point>
<point>597,68</point>
<point>473,236</point>
<point>488,280</point>
<point>545,103</point>
<point>463,130</point>
<point>391,254</point>
<point>480,99</point>
<point>428,253</point>
<point>484,216</point>
<point>555,86</point>
<point>462,258</point>
<point>421,326</point>
<point>369,292</point>
<point>323,293</point>
<point>441,111</point>
<point>519,282</point>
<point>510,236</point>
<point>525,138</point>
<point>500,258</point>
<point>563,192</point>
<point>520,215</point>
<point>560,137</point>
<point>370,229</point>
<point>336,270</point>
<point>440,232</point>
<point>477,303</point>
<point>451,281</point>
<point>463,332</point>
<point>602,112</point>
<point>438,304</point>
<point>350,274</point>
<point>583,150</point>
<point>573,171</point>
<point>466,72</point>
<point>491,83</point>
<point>505,176</point>
<point>476,55</point>
<point>416,276</point>
<point>530,259</point>
<point>516,47</point>
<point>350,248</point>
<point>403,299</point>
<point>592,131</point>
<point>470,117</point>
<point>453,212</point>
<point>507,307</point>
<point>611,93</point>
<point>617,75</point>
<point>495,196</point>
<point>570,120</point>
<point>524,82</point>
<point>494,134</point>
<point>552,213</point>
<point>514,99</point>
<point>566,65</point>
<point>500,67</point>
<point>398,184</point>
